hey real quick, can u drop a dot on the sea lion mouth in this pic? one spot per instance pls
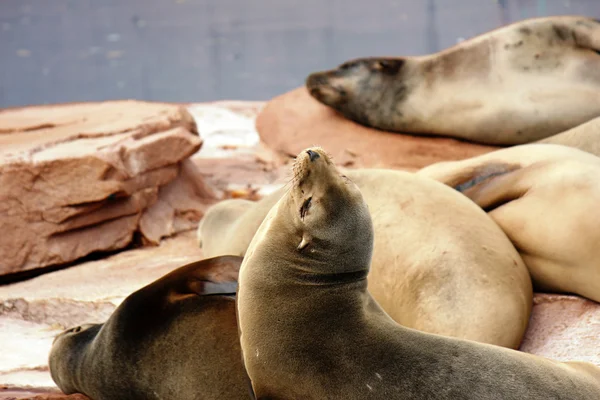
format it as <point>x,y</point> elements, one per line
<point>321,87</point>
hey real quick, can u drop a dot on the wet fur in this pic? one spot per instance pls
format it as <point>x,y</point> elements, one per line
<point>176,338</point>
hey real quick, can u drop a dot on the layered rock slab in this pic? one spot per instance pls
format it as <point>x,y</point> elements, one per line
<point>294,121</point>
<point>77,179</point>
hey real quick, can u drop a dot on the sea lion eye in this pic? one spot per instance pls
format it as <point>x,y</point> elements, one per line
<point>305,207</point>
<point>75,330</point>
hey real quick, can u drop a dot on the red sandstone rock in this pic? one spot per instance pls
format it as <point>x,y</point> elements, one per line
<point>180,206</point>
<point>76,179</point>
<point>294,121</point>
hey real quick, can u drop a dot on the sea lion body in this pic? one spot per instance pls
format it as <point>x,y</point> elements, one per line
<point>173,339</point>
<point>513,85</point>
<point>319,334</point>
<point>222,222</point>
<point>547,203</point>
<point>585,137</point>
<point>440,265</point>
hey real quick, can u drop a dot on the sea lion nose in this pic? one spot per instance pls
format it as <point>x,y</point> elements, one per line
<point>312,154</point>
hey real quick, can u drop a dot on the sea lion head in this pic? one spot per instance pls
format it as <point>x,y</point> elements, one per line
<point>68,350</point>
<point>329,215</point>
<point>365,90</point>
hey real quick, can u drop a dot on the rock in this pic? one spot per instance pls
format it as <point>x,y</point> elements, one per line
<point>180,205</point>
<point>77,179</point>
<point>294,121</point>
<point>233,160</point>
<point>564,328</point>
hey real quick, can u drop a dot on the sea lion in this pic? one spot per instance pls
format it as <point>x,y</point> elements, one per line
<point>585,137</point>
<point>545,198</point>
<point>220,223</point>
<point>309,329</point>
<point>227,227</point>
<point>440,264</point>
<point>513,85</point>
<point>176,338</point>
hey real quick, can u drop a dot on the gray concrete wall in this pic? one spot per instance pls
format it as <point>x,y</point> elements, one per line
<point>200,50</point>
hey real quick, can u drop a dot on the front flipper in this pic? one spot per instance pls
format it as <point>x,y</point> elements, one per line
<point>499,189</point>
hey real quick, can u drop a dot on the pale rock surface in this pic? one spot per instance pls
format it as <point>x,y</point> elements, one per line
<point>233,159</point>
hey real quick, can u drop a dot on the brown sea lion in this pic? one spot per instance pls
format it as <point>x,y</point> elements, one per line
<point>513,85</point>
<point>175,338</point>
<point>309,329</point>
<point>545,197</point>
<point>440,264</point>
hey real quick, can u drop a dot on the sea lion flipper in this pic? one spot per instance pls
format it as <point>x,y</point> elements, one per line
<point>219,278</point>
<point>500,189</point>
<point>465,178</point>
<point>207,288</point>
<point>210,276</point>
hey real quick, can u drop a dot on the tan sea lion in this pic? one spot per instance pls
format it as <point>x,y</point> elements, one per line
<point>545,197</point>
<point>176,338</point>
<point>513,85</point>
<point>220,223</point>
<point>585,137</point>
<point>309,329</point>
<point>440,264</point>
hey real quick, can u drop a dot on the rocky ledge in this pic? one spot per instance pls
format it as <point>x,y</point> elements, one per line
<point>85,178</point>
<point>85,168</point>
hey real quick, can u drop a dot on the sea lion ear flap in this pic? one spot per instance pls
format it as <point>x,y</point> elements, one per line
<point>306,239</point>
<point>387,66</point>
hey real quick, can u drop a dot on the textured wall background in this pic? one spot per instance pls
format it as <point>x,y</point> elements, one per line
<point>200,50</point>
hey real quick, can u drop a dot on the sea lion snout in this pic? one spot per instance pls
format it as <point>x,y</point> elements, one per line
<point>316,79</point>
<point>313,155</point>
<point>327,87</point>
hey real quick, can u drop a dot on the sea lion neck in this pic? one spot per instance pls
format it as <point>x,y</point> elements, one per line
<point>327,216</point>
<point>323,261</point>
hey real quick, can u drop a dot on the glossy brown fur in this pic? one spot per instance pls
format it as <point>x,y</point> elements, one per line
<point>176,338</point>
